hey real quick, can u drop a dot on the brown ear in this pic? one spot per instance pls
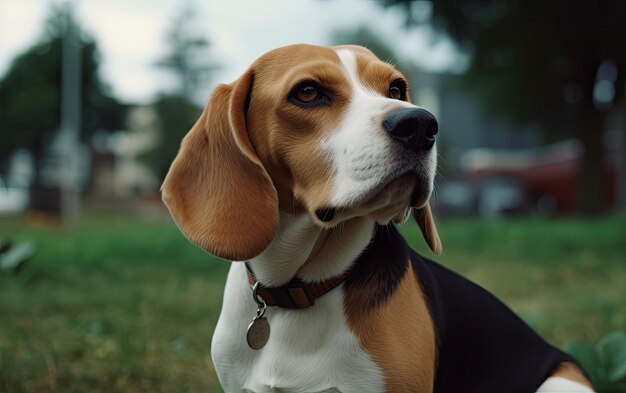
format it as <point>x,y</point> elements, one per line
<point>217,190</point>
<point>426,222</point>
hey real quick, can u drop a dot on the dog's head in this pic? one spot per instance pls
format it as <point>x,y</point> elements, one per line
<point>306,129</point>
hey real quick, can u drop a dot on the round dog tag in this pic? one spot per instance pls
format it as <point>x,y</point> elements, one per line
<point>258,333</point>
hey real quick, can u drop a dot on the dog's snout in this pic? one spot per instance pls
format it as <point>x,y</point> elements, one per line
<point>414,127</point>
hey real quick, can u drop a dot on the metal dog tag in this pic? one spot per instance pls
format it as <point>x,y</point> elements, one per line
<point>258,333</point>
<point>259,330</point>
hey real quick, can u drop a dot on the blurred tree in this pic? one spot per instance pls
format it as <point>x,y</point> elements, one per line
<point>189,62</point>
<point>176,117</point>
<point>552,62</point>
<point>30,93</point>
<point>187,59</point>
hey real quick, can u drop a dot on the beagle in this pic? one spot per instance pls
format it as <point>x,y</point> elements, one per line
<point>300,170</point>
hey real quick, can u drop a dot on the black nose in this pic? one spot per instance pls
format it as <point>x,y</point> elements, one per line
<point>414,127</point>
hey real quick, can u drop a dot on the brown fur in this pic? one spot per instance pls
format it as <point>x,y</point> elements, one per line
<point>286,137</point>
<point>399,335</point>
<point>426,222</point>
<point>217,182</point>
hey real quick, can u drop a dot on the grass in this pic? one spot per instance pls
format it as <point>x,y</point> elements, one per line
<point>120,304</point>
<point>115,305</point>
<point>565,278</point>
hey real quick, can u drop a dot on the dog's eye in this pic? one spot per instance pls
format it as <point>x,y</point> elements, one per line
<point>307,93</point>
<point>397,90</point>
<point>395,93</point>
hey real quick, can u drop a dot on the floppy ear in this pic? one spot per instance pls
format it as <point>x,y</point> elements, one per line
<point>217,190</point>
<point>426,222</point>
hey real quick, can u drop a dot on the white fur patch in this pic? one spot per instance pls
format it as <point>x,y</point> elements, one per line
<point>562,385</point>
<point>290,253</point>
<point>309,350</point>
<point>361,153</point>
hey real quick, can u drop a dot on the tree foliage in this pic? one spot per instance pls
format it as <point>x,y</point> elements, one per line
<point>176,117</point>
<point>541,62</point>
<point>189,61</point>
<point>30,92</point>
<point>187,58</point>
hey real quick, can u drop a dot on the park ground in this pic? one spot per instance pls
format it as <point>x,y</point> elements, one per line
<point>125,304</point>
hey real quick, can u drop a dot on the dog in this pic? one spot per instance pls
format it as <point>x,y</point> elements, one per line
<point>300,171</point>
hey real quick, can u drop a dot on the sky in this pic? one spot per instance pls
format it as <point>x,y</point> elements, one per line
<point>130,35</point>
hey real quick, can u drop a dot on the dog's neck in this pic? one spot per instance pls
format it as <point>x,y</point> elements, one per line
<point>303,249</point>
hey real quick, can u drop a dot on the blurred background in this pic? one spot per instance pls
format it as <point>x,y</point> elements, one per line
<point>99,291</point>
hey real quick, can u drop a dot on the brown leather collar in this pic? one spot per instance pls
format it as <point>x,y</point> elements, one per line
<point>296,293</point>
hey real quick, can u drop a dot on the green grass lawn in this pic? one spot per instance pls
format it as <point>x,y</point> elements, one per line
<point>120,304</point>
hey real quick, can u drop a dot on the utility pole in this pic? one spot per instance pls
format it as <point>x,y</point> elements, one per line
<point>69,129</point>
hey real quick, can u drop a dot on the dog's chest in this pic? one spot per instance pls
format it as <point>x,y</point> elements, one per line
<point>309,350</point>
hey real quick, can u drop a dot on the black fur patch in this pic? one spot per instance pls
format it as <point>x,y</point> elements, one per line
<point>382,265</point>
<point>482,346</point>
